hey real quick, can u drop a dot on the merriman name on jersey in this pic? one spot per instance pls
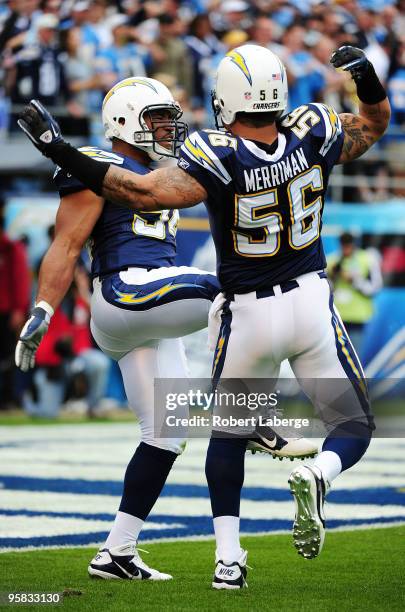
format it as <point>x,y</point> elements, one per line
<point>266,177</point>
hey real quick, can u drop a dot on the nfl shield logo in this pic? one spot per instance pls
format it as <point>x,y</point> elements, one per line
<point>248,95</point>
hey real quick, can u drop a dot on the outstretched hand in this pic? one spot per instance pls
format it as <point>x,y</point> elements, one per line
<point>351,59</point>
<point>39,125</point>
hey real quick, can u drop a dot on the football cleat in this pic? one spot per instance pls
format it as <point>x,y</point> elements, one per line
<point>309,489</point>
<point>267,440</point>
<point>230,575</point>
<point>123,563</point>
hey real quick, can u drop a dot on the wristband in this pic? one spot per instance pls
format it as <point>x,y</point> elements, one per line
<point>45,306</point>
<point>369,88</point>
<point>88,171</point>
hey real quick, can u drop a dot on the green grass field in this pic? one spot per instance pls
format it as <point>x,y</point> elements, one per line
<point>357,571</point>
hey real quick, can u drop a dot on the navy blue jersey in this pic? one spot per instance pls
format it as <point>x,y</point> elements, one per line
<point>122,238</point>
<point>265,203</point>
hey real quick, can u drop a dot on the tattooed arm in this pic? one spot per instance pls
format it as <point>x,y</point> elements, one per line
<point>161,189</point>
<point>364,129</point>
<point>158,190</point>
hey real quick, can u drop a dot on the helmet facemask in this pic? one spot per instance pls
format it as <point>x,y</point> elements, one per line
<point>216,109</point>
<point>147,137</point>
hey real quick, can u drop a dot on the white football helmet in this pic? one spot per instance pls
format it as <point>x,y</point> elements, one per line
<point>125,108</point>
<point>250,79</point>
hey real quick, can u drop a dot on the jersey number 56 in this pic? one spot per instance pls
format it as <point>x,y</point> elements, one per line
<point>258,225</point>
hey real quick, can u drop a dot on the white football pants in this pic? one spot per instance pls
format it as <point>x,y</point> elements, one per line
<point>303,326</point>
<point>132,324</point>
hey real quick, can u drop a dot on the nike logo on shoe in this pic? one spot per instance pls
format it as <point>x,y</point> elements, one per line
<point>135,574</point>
<point>225,572</point>
<point>270,443</point>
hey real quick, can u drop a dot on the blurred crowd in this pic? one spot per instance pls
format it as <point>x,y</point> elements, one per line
<point>70,373</point>
<point>68,54</point>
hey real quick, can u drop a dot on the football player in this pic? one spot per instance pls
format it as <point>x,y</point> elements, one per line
<point>263,180</point>
<point>141,305</point>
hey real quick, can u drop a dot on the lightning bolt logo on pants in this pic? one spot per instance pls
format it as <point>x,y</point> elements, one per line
<point>130,298</point>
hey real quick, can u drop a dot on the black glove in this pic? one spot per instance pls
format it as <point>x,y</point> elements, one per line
<point>40,127</point>
<point>352,59</point>
<point>44,132</point>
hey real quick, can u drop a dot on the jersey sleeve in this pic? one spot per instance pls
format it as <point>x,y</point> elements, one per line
<point>67,184</point>
<point>205,155</point>
<point>327,133</point>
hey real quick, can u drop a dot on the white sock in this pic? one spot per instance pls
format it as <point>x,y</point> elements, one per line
<point>227,536</point>
<point>126,529</point>
<point>329,463</point>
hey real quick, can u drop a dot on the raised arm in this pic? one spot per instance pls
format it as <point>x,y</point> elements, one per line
<point>158,190</point>
<point>364,129</point>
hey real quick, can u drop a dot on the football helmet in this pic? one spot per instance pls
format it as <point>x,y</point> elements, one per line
<point>250,79</point>
<point>126,107</point>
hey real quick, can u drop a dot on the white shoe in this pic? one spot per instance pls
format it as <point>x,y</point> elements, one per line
<point>267,440</point>
<point>309,488</point>
<point>230,575</point>
<point>123,563</point>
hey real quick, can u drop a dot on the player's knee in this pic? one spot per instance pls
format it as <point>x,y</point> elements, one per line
<point>349,441</point>
<point>354,429</point>
<point>174,445</point>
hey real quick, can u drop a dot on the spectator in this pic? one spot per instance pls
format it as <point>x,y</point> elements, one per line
<point>23,12</point>
<point>180,39</point>
<point>123,58</point>
<point>356,277</point>
<point>85,85</point>
<point>15,291</point>
<point>144,14</point>
<point>263,32</point>
<point>232,15</point>
<point>37,71</point>
<point>175,60</point>
<point>79,16</point>
<point>396,144</point>
<point>322,47</point>
<point>202,44</point>
<point>368,18</point>
<point>305,79</point>
<point>96,33</point>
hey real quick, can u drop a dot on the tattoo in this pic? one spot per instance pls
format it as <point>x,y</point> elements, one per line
<point>362,131</point>
<point>122,187</point>
<point>164,188</point>
<point>183,188</point>
<point>358,137</point>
